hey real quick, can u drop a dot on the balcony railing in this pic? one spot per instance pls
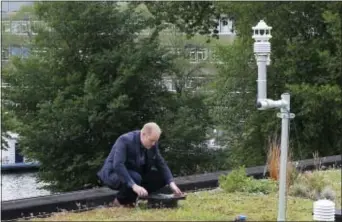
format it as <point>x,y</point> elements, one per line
<point>22,27</point>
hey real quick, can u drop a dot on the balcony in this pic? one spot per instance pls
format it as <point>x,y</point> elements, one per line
<point>21,27</point>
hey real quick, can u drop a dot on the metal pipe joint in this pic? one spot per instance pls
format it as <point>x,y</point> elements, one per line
<point>263,104</point>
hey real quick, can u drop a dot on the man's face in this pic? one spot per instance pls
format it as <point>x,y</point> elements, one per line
<point>149,140</point>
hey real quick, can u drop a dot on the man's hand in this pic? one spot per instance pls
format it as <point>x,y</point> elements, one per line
<point>139,190</point>
<point>175,189</point>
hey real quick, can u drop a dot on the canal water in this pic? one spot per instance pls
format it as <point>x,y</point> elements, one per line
<point>18,186</point>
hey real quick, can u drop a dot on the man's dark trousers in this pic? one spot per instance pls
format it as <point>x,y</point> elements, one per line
<point>152,181</point>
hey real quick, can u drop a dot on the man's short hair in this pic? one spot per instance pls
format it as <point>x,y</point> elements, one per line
<point>148,128</point>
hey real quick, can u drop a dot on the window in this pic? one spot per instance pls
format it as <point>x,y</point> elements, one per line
<point>198,55</point>
<point>15,27</point>
<point>15,50</point>
<point>202,54</point>
<point>19,51</point>
<point>20,27</point>
<point>189,84</point>
<point>6,26</point>
<point>5,53</point>
<point>193,56</point>
<point>225,26</point>
<point>169,85</point>
<point>24,26</point>
<point>35,26</point>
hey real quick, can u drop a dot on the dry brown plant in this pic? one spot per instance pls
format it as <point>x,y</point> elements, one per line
<point>273,162</point>
<point>273,158</point>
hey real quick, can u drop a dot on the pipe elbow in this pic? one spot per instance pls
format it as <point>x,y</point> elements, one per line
<point>263,104</point>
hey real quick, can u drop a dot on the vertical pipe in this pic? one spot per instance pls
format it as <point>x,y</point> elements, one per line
<point>262,83</point>
<point>285,115</point>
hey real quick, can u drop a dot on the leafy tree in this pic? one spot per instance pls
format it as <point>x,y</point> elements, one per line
<point>186,118</point>
<point>9,123</point>
<point>92,78</point>
<point>189,17</point>
<point>5,124</point>
<point>8,119</point>
<point>233,99</point>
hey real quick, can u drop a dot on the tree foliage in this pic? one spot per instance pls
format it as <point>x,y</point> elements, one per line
<point>88,84</point>
<point>306,61</point>
<point>189,17</point>
<point>186,117</point>
<point>93,77</point>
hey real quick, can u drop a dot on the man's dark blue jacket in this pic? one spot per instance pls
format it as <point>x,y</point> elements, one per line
<point>125,155</point>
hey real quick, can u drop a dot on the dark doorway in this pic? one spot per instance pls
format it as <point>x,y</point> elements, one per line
<point>18,157</point>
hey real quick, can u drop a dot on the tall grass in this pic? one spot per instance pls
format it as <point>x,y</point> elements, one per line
<point>273,158</point>
<point>273,162</point>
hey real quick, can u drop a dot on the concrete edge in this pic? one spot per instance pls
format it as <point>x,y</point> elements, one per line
<point>14,209</point>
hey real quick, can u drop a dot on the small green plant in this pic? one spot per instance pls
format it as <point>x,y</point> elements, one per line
<point>235,181</point>
<point>264,186</point>
<point>238,181</point>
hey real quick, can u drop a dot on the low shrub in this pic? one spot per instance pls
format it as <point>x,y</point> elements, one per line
<point>301,190</point>
<point>328,193</point>
<point>235,181</point>
<point>238,181</point>
<point>311,185</point>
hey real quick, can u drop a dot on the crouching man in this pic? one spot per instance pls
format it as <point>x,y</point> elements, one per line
<point>135,166</point>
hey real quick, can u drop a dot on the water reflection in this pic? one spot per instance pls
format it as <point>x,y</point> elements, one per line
<point>17,186</point>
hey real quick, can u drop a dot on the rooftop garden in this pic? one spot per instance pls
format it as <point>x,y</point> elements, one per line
<point>237,194</point>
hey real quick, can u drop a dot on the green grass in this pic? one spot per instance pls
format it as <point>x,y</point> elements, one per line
<point>213,205</point>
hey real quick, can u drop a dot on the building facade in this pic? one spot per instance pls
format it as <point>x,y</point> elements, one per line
<point>17,33</point>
